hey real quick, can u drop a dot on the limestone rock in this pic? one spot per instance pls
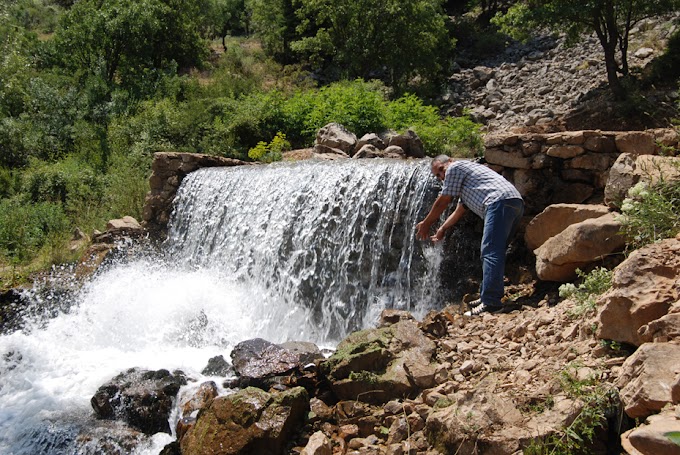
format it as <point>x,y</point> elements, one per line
<point>635,142</point>
<point>644,287</point>
<point>248,421</point>
<point>664,329</point>
<point>334,136</point>
<point>557,217</point>
<point>370,139</point>
<point>650,379</point>
<point>257,359</point>
<point>629,170</point>
<point>577,246</point>
<point>651,437</point>
<point>409,142</point>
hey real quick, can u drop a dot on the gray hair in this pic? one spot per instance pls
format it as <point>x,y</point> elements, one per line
<point>441,159</point>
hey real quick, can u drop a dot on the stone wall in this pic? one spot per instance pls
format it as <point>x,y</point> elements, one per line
<point>571,166</point>
<point>167,172</point>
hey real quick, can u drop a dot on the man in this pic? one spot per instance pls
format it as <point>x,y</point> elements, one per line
<point>496,201</point>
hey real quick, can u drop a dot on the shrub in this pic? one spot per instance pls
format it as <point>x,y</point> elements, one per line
<point>26,228</point>
<point>650,214</point>
<point>585,294</point>
<point>268,153</point>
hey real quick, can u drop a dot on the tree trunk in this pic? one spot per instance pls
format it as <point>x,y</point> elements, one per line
<point>612,72</point>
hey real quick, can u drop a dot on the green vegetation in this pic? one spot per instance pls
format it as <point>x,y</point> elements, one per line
<point>649,214</point>
<point>90,90</point>
<point>597,399</point>
<point>585,294</point>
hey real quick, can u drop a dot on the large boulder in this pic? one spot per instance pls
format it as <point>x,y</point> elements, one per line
<point>664,329</point>
<point>335,138</point>
<point>377,365</point>
<point>141,398</point>
<point>258,362</point>
<point>248,421</point>
<point>644,287</point>
<point>409,142</point>
<point>650,379</point>
<point>556,218</point>
<point>578,246</point>
<point>630,169</point>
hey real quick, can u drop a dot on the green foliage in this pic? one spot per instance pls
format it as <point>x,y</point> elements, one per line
<point>37,15</point>
<point>455,136</point>
<point>391,40</point>
<point>26,228</point>
<point>586,293</point>
<point>597,398</point>
<point>673,436</point>
<point>268,153</point>
<point>649,214</point>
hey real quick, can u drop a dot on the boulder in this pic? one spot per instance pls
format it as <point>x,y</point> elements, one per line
<point>650,379</point>
<point>556,218</point>
<point>578,246</point>
<point>644,287</point>
<point>141,398</point>
<point>651,438</point>
<point>109,437</point>
<point>126,225</point>
<point>248,421</point>
<point>664,329</point>
<point>197,398</point>
<point>377,365</point>
<point>370,139</point>
<point>409,142</point>
<point>334,136</point>
<point>259,363</point>
<point>630,169</point>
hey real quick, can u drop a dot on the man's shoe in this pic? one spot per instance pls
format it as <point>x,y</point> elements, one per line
<point>479,308</point>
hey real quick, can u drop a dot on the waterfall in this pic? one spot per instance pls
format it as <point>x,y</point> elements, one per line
<point>335,239</point>
<point>290,251</point>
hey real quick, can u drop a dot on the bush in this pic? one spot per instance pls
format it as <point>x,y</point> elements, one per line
<point>585,294</point>
<point>26,228</point>
<point>649,214</point>
<point>268,153</point>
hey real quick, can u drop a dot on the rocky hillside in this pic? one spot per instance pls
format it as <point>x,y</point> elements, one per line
<point>546,85</point>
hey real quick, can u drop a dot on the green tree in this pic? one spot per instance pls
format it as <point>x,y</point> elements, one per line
<point>390,39</point>
<point>610,20</point>
<point>226,17</point>
<point>274,22</point>
<point>122,40</point>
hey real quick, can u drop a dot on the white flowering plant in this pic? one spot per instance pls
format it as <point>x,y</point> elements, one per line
<point>650,212</point>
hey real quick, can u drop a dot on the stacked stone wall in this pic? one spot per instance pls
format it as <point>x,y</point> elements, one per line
<point>570,166</point>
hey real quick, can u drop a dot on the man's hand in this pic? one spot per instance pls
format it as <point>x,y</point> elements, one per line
<point>422,230</point>
<point>439,235</point>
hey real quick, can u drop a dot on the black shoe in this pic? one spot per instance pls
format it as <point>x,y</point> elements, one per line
<point>480,308</point>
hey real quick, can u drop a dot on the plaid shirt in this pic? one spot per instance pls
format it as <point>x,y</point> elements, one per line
<point>476,186</point>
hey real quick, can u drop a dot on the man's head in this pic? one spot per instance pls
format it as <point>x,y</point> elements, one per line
<point>439,166</point>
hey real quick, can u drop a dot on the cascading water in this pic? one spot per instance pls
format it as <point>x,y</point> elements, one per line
<point>306,251</point>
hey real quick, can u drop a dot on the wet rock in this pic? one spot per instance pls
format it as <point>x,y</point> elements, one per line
<point>248,421</point>
<point>111,438</point>
<point>218,366</point>
<point>197,399</point>
<point>644,287</point>
<point>142,398</point>
<point>257,359</point>
<point>377,365</point>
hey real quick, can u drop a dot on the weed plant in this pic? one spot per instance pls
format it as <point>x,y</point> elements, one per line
<point>585,294</point>
<point>649,214</point>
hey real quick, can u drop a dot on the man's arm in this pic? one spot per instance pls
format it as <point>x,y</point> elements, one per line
<point>423,228</point>
<point>450,222</point>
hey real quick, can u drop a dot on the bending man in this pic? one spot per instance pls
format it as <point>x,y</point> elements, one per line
<point>496,201</point>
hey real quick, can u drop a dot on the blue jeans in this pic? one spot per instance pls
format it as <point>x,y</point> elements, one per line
<point>500,223</point>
